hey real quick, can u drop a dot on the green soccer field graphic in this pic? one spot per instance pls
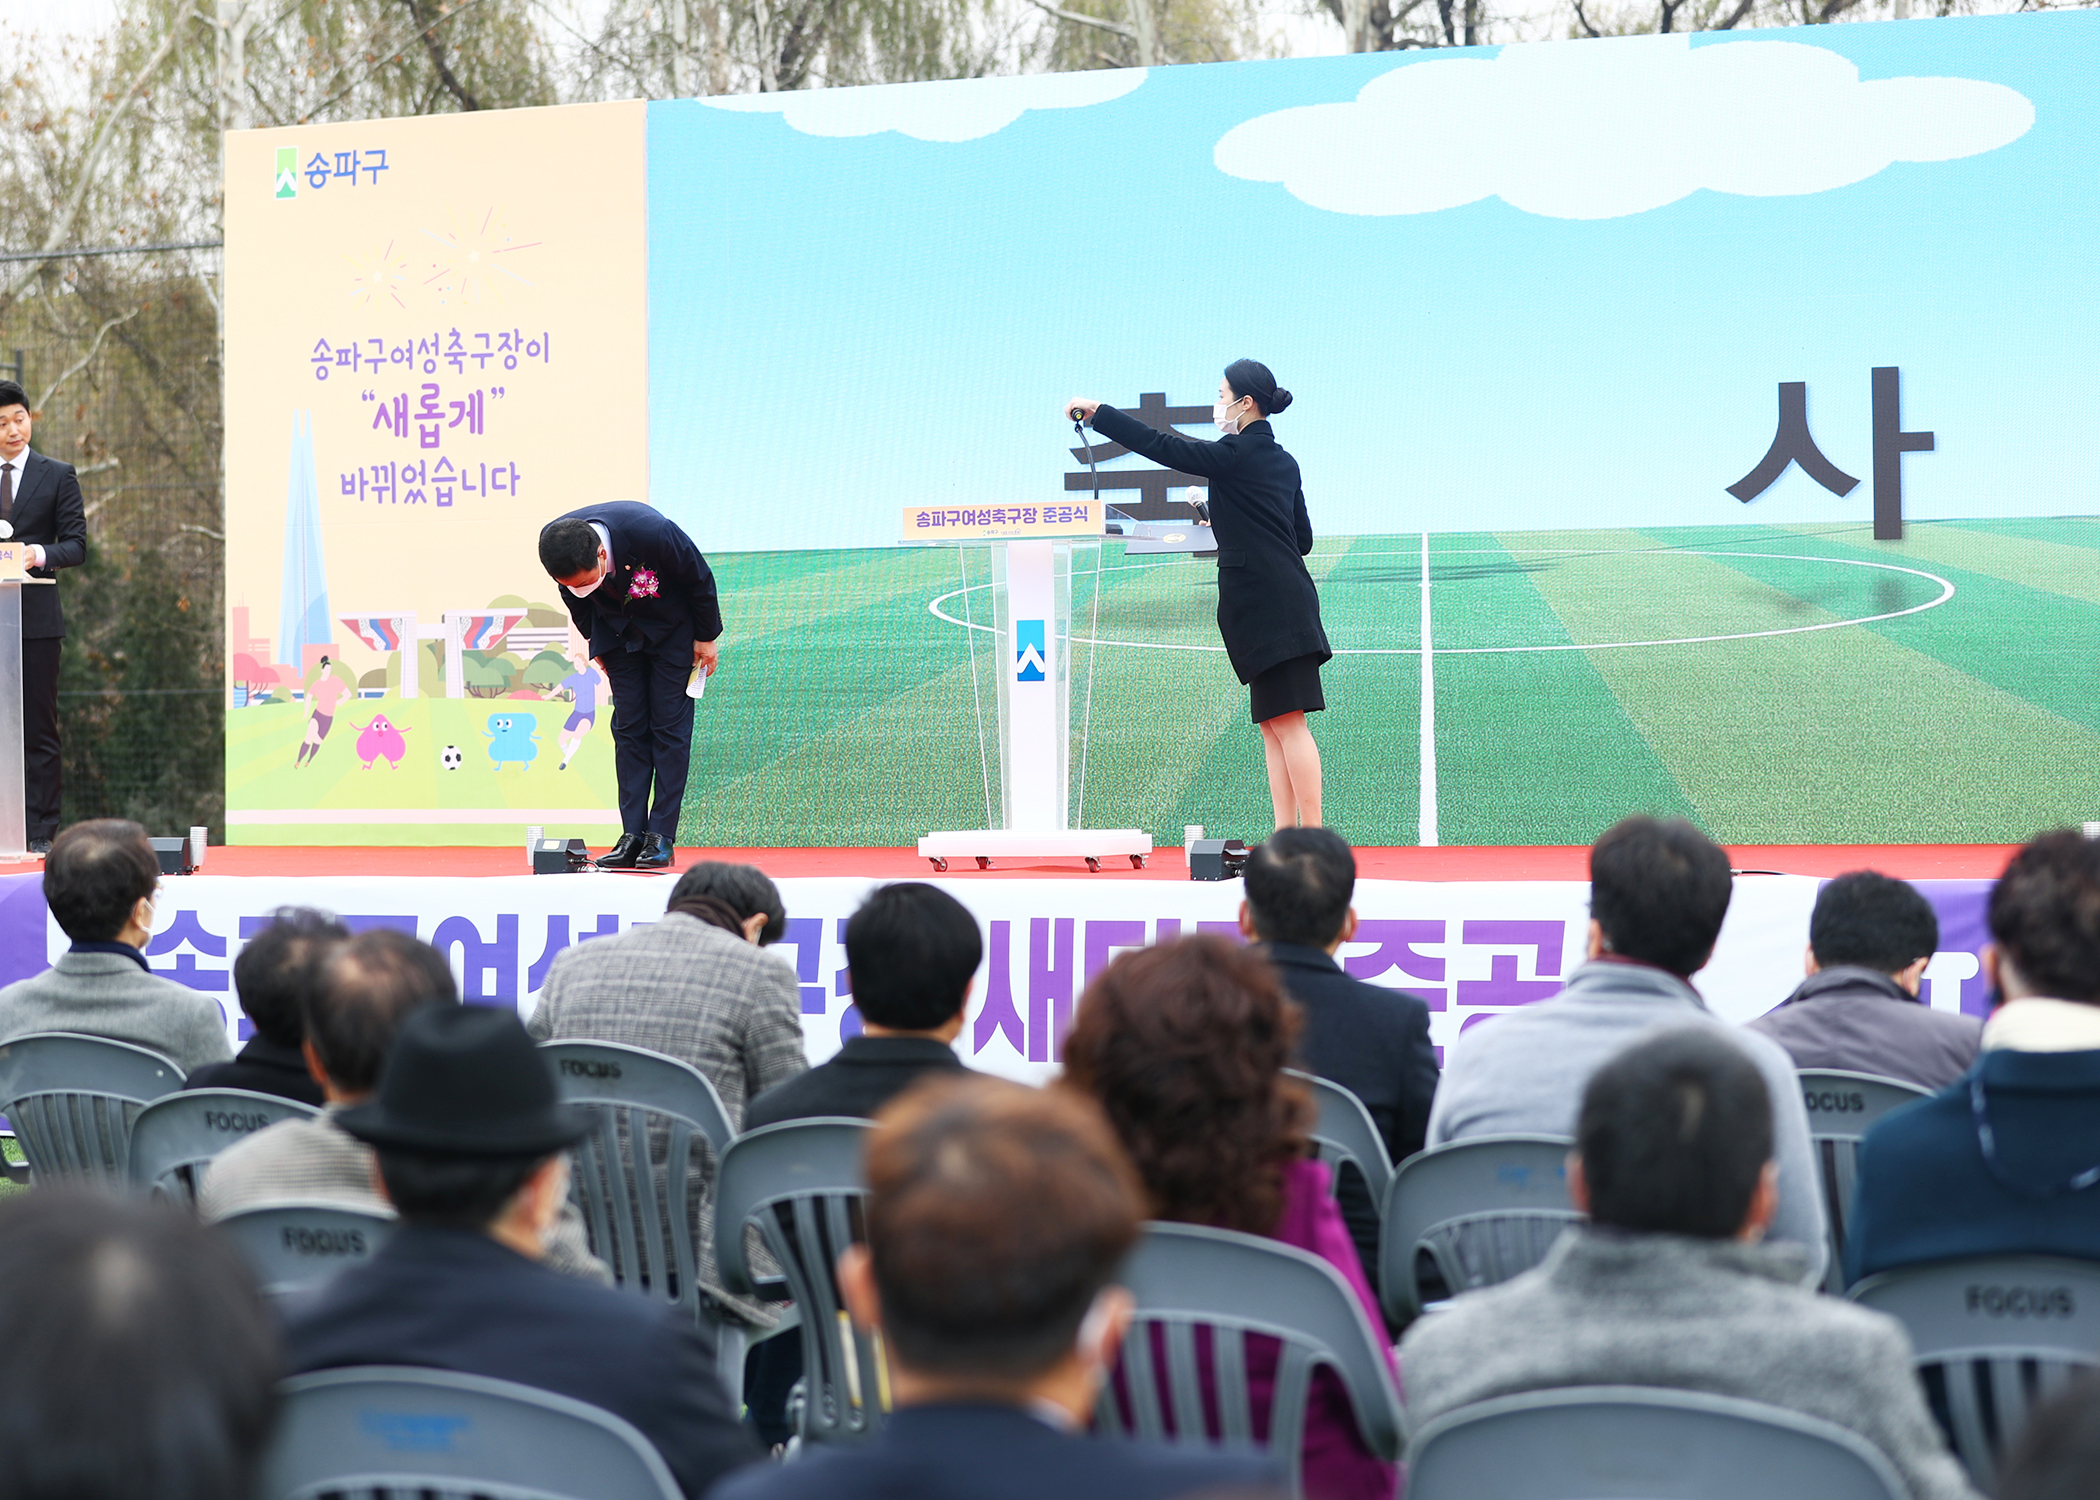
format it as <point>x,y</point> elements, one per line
<point>1776,684</point>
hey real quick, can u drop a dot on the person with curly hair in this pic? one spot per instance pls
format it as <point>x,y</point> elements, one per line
<point>1184,1046</point>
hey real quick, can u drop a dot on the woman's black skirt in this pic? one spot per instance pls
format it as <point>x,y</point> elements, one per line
<point>1289,687</point>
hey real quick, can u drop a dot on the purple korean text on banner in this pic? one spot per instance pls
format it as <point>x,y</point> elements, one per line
<point>23,918</point>
<point>1964,932</point>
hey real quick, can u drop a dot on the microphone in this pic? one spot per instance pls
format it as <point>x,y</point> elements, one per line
<point>1077,414</point>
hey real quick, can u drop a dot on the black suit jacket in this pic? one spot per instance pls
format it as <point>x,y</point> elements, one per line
<point>991,1452</point>
<point>49,512</point>
<point>1268,609</point>
<point>1374,1042</point>
<point>261,1067</point>
<point>683,609</point>
<point>455,1299</point>
<point>864,1075</point>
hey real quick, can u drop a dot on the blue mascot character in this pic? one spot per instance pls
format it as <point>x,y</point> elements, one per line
<point>511,738</point>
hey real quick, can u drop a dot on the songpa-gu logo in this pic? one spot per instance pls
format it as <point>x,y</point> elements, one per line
<point>287,171</point>
<point>1031,652</point>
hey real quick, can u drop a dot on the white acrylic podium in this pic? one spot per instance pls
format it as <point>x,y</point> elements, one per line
<point>1031,564</point>
<point>14,789</point>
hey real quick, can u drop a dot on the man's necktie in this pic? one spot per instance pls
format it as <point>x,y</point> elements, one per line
<point>7,492</point>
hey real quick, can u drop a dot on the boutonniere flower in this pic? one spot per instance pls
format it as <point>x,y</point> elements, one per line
<point>643,586</point>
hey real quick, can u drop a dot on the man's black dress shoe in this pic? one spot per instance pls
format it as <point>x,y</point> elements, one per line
<point>623,854</point>
<point>40,846</point>
<point>655,853</point>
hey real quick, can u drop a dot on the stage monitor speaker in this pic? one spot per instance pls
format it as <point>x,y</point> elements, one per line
<point>559,856</point>
<point>1216,859</point>
<point>174,856</point>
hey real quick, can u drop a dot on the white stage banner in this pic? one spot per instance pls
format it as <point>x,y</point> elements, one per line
<point>1470,949</point>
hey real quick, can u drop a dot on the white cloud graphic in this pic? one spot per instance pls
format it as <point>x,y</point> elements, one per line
<point>1600,129</point>
<point>958,109</point>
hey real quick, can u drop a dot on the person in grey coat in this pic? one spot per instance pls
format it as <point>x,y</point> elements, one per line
<point>1869,940</point>
<point>1669,1285</point>
<point>1658,893</point>
<point>698,986</point>
<point>100,882</point>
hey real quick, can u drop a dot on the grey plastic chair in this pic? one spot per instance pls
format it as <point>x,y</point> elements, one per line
<point>1483,1210</point>
<point>1186,1277</point>
<point>383,1431</point>
<point>1994,1337</point>
<point>652,1112</point>
<point>1345,1134</point>
<point>72,1100</point>
<point>173,1136</point>
<point>801,1182</point>
<point>1841,1108</point>
<point>1638,1443</point>
<point>291,1246</point>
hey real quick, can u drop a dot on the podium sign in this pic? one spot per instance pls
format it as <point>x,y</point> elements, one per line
<point>14,561</point>
<point>1032,645</point>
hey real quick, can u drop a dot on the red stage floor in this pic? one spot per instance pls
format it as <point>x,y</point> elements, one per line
<point>1515,862</point>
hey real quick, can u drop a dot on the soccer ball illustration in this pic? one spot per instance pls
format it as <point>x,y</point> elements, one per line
<point>452,758</point>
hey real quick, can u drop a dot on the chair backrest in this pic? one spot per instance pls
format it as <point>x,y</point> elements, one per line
<point>1841,1108</point>
<point>72,1100</point>
<point>1185,1278</point>
<point>1993,1337</point>
<point>1345,1133</point>
<point>293,1245</point>
<point>1638,1443</point>
<point>186,1130</point>
<point>802,1183</point>
<point>1483,1210</point>
<point>632,1179</point>
<point>363,1432</point>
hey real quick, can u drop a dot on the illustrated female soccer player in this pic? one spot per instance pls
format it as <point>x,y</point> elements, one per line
<point>1268,606</point>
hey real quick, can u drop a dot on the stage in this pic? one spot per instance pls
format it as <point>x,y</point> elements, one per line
<point>1474,931</point>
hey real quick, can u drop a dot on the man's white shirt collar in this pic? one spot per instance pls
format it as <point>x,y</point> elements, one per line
<point>605,541</point>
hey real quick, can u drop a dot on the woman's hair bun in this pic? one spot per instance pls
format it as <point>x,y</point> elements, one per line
<point>1280,400</point>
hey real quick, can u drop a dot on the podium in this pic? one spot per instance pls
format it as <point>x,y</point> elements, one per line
<point>14,788</point>
<point>1031,549</point>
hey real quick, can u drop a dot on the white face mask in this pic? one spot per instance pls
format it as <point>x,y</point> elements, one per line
<point>1226,424</point>
<point>603,562</point>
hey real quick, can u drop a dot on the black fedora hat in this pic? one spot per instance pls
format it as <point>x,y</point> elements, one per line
<point>465,1080</point>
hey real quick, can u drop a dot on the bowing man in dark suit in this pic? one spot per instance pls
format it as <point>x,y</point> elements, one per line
<point>41,506</point>
<point>472,1142</point>
<point>643,596</point>
<point>1268,607</point>
<point>996,1218</point>
<point>1371,1040</point>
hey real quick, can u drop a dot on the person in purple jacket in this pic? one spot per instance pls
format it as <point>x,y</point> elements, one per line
<point>1185,1046</point>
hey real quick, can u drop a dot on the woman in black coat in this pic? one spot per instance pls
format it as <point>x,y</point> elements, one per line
<point>1268,608</point>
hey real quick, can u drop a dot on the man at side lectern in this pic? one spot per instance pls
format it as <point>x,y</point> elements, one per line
<point>40,502</point>
<point>1268,606</point>
<point>644,597</point>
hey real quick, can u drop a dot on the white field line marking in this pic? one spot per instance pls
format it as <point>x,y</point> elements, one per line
<point>1425,823</point>
<point>933,607</point>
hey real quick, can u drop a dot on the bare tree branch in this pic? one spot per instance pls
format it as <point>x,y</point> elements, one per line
<point>395,56</point>
<point>1735,17</point>
<point>105,132</point>
<point>437,60</point>
<point>83,362</point>
<point>1583,20</point>
<point>1116,28</point>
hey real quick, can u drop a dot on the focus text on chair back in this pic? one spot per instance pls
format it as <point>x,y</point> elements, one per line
<point>802,1183</point>
<point>1217,1287</point>
<point>1841,1107</point>
<point>361,1433</point>
<point>1480,1210</point>
<point>72,1100</point>
<point>653,1113</point>
<point>294,1245</point>
<point>1641,1443</point>
<point>1994,1337</point>
<point>174,1136</point>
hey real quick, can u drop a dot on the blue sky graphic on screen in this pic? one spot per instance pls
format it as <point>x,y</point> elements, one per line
<point>1526,288</point>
